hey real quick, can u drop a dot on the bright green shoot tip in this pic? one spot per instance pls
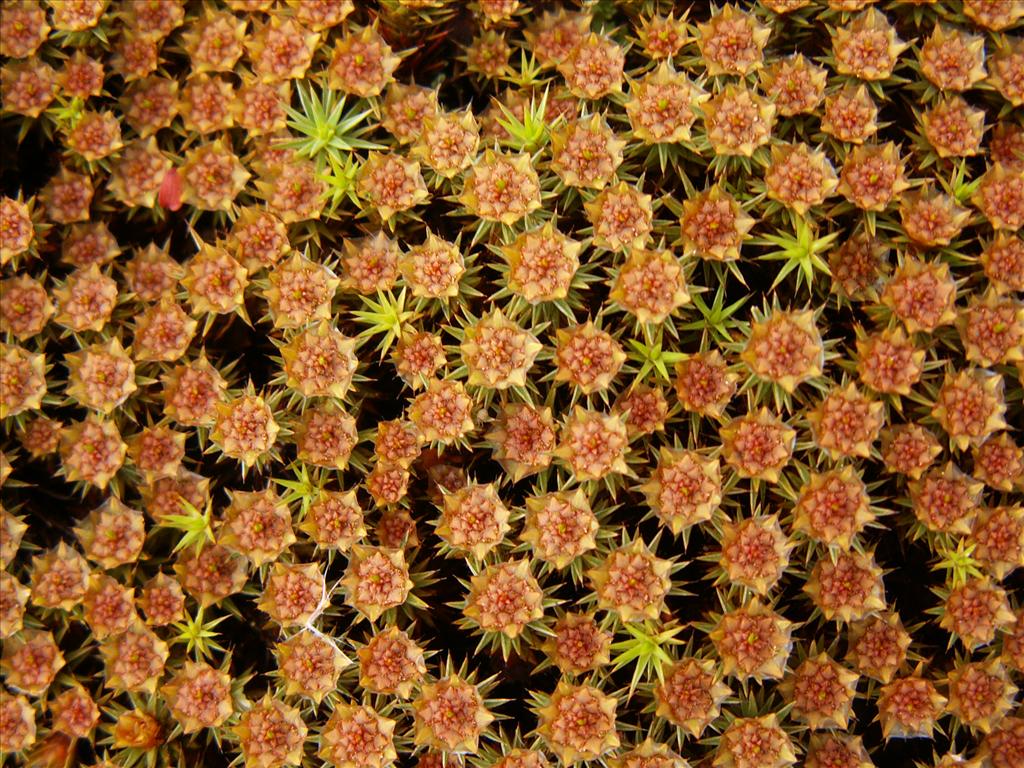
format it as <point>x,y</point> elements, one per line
<point>326,131</point>
<point>801,251</point>
<point>198,636</point>
<point>195,526</point>
<point>386,317</point>
<point>646,649</point>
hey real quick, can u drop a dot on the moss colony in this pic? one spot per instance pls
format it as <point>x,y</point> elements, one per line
<point>512,384</point>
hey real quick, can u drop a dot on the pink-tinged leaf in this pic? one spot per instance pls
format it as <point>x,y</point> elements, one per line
<point>170,190</point>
